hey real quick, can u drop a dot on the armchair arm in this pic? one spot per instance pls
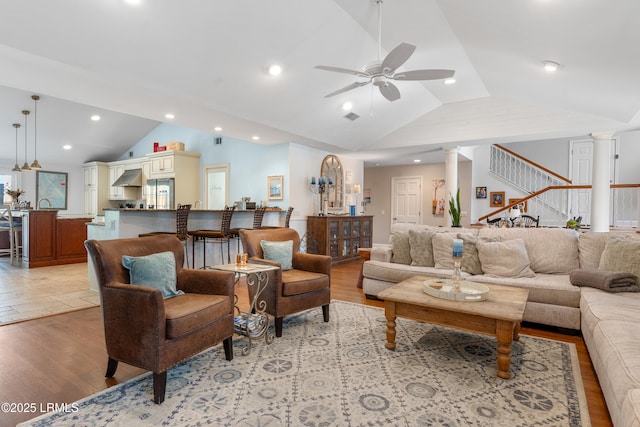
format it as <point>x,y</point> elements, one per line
<point>134,318</point>
<point>312,262</point>
<point>212,282</point>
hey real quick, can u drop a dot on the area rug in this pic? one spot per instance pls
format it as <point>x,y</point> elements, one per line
<point>340,374</point>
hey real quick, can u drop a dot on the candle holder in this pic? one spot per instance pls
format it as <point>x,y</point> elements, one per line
<point>321,188</point>
<point>457,262</point>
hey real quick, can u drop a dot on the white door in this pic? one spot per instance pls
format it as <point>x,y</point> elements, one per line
<point>216,184</point>
<point>581,166</point>
<point>406,200</point>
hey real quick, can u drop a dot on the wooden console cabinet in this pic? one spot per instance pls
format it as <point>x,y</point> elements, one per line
<point>51,240</point>
<point>340,236</point>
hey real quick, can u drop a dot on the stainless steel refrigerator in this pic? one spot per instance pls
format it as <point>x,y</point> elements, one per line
<point>160,193</point>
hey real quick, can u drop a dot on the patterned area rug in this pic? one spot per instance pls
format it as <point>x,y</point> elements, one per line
<point>340,374</point>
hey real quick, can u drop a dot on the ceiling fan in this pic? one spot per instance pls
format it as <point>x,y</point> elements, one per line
<point>381,72</point>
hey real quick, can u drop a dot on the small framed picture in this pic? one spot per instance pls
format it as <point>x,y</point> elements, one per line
<point>497,199</point>
<point>481,192</point>
<point>275,188</point>
<point>521,205</point>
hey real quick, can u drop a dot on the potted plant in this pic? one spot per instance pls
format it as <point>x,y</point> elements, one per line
<point>454,209</point>
<point>573,224</point>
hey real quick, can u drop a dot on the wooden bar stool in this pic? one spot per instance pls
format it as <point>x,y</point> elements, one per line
<point>258,215</point>
<point>182,216</point>
<point>216,236</point>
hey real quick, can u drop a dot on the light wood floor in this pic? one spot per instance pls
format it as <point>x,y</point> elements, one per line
<point>61,358</point>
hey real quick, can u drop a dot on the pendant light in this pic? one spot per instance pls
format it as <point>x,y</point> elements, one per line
<point>26,166</point>
<point>16,168</point>
<point>36,163</point>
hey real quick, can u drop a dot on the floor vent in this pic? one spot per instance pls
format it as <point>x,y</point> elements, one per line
<point>352,116</point>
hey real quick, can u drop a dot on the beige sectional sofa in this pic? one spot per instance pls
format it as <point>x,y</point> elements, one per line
<point>609,322</point>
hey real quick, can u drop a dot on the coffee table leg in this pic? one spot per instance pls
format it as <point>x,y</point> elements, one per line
<point>390,314</point>
<point>504,333</point>
<point>516,332</point>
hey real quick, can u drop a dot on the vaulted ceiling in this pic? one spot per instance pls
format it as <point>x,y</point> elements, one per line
<point>206,62</point>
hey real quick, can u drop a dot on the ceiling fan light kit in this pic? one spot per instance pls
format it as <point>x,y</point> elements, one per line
<point>380,72</point>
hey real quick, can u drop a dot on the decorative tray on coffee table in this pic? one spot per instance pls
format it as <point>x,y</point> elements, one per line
<point>443,288</point>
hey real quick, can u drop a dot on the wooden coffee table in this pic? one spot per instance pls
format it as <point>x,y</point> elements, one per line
<point>499,315</point>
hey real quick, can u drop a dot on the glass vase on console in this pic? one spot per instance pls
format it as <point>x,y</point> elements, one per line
<point>457,262</point>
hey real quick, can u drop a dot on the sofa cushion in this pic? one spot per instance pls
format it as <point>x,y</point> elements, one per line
<point>621,255</point>
<point>597,305</point>
<point>401,250</point>
<point>443,250</point>
<point>505,259</point>
<point>470,261</point>
<point>421,247</point>
<point>550,289</point>
<point>561,257</point>
<point>590,247</point>
<point>188,312</point>
<point>156,270</point>
<point>395,273</point>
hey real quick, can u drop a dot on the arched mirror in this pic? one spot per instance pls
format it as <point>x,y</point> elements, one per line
<point>331,168</point>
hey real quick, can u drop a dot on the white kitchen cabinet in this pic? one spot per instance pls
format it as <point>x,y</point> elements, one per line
<point>95,188</point>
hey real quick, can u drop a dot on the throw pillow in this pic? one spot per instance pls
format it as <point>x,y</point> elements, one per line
<point>505,259</point>
<point>470,262</point>
<point>621,255</point>
<point>155,270</point>
<point>400,248</point>
<point>281,252</point>
<point>443,250</point>
<point>421,248</point>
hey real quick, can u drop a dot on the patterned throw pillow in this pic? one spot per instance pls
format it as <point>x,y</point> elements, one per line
<point>400,249</point>
<point>621,255</point>
<point>505,259</point>
<point>470,261</point>
<point>421,248</point>
<point>155,270</point>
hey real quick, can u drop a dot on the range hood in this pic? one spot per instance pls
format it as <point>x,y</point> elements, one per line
<point>130,178</point>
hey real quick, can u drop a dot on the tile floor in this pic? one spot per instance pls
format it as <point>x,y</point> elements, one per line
<point>30,293</point>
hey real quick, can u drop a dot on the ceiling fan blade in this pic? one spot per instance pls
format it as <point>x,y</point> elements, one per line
<point>341,70</point>
<point>346,88</point>
<point>390,91</point>
<point>424,75</point>
<point>397,57</point>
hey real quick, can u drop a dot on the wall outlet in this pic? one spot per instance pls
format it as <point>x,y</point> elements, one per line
<point>463,214</point>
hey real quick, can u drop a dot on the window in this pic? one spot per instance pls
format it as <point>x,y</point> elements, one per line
<point>5,183</point>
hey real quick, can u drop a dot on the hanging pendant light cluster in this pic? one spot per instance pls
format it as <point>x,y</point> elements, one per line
<point>36,164</point>
<point>16,168</point>
<point>25,167</point>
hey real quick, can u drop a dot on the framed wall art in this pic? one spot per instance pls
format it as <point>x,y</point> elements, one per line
<point>51,190</point>
<point>275,187</point>
<point>496,199</point>
<point>481,192</point>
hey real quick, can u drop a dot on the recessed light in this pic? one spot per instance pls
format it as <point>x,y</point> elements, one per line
<point>416,160</point>
<point>170,116</point>
<point>66,147</point>
<point>95,118</point>
<point>347,106</point>
<point>133,2</point>
<point>449,81</point>
<point>217,128</point>
<point>275,70</point>
<point>550,66</point>
<point>255,137</point>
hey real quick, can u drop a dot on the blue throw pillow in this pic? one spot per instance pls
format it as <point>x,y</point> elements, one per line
<point>155,270</point>
<point>281,252</point>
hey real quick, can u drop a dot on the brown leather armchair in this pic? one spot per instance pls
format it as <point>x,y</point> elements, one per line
<point>143,329</point>
<point>306,286</point>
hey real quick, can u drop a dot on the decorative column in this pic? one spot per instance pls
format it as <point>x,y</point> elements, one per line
<point>600,182</point>
<point>451,179</point>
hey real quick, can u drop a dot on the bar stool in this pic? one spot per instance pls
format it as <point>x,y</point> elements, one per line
<point>216,236</point>
<point>8,224</point>
<point>287,219</point>
<point>258,214</point>
<point>182,216</point>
